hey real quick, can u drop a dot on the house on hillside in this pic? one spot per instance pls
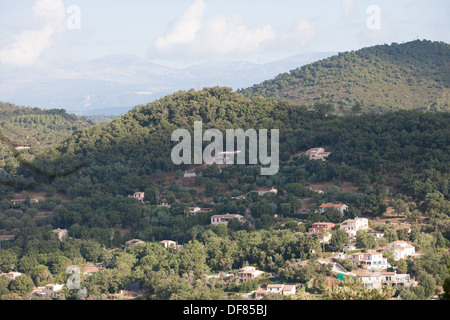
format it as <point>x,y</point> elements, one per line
<point>263,191</point>
<point>62,233</point>
<point>138,196</point>
<point>133,242</point>
<point>376,280</point>
<point>11,275</point>
<point>248,273</point>
<point>370,260</point>
<point>317,154</point>
<point>224,218</point>
<point>21,200</point>
<point>189,174</point>
<point>401,250</point>
<point>169,244</point>
<point>317,226</point>
<point>52,290</point>
<point>351,226</point>
<point>338,206</point>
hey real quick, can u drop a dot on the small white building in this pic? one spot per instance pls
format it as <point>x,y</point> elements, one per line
<point>169,244</point>
<point>317,154</point>
<point>62,233</point>
<point>351,226</point>
<point>52,290</point>
<point>289,289</point>
<point>338,206</point>
<point>138,196</point>
<point>275,288</point>
<point>248,273</point>
<point>11,275</point>
<point>189,174</point>
<point>194,210</point>
<point>224,218</point>
<point>263,191</point>
<point>401,249</point>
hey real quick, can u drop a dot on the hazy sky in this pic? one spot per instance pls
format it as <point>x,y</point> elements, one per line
<point>184,32</point>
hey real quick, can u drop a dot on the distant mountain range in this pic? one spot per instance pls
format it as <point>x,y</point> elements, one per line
<point>115,84</point>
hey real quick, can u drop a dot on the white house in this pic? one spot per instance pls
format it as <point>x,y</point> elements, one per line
<point>138,196</point>
<point>275,288</point>
<point>338,206</point>
<point>289,289</point>
<point>194,210</point>
<point>263,191</point>
<point>189,174</point>
<point>401,249</point>
<point>169,244</point>
<point>285,289</point>
<point>351,226</point>
<point>376,280</point>
<point>248,273</point>
<point>371,260</point>
<point>52,290</point>
<point>317,154</point>
<point>224,218</point>
<point>11,275</point>
<point>61,233</point>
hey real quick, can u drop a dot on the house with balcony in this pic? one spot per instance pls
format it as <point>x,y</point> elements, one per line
<point>401,250</point>
<point>317,226</point>
<point>377,280</point>
<point>248,273</point>
<point>370,260</point>
<point>351,226</point>
<point>224,218</point>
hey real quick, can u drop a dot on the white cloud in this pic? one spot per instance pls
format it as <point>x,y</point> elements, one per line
<point>28,46</point>
<point>301,34</point>
<point>184,29</point>
<point>347,5</point>
<point>189,37</point>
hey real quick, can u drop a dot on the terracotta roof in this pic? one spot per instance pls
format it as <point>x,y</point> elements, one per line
<point>331,205</point>
<point>7,237</point>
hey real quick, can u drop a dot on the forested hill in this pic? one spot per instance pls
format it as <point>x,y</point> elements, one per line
<point>412,75</point>
<point>134,149</point>
<point>33,128</point>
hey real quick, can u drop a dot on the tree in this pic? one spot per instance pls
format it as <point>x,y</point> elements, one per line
<point>41,274</point>
<point>402,266</point>
<point>428,283</point>
<point>22,285</point>
<point>91,250</point>
<point>446,287</point>
<point>364,240</point>
<point>152,194</point>
<point>4,284</point>
<point>339,239</point>
<point>357,108</point>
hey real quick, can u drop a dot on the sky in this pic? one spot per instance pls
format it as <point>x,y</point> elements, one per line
<point>179,33</point>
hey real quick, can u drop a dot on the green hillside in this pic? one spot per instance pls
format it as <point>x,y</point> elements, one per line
<point>28,130</point>
<point>412,75</point>
<point>379,163</point>
<point>134,149</point>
